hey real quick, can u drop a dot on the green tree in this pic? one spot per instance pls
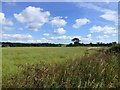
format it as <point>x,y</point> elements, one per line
<point>76,41</point>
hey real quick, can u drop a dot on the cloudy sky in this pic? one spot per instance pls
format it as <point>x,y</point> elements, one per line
<point>59,22</point>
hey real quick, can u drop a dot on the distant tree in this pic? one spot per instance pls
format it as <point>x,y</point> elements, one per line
<point>69,45</point>
<point>114,42</point>
<point>90,44</point>
<point>76,41</point>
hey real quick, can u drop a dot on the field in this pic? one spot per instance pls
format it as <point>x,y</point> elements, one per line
<point>56,67</point>
<point>14,57</point>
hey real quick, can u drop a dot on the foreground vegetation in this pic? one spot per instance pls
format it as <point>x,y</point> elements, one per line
<point>89,68</point>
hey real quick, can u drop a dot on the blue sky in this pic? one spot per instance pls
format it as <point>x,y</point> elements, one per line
<point>59,22</point>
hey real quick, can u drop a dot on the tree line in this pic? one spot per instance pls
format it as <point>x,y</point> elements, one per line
<point>76,42</point>
<point>10,44</point>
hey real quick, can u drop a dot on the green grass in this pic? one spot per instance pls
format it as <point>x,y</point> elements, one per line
<point>74,67</point>
<point>14,57</point>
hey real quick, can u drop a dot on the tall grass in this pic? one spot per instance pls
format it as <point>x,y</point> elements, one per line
<point>98,70</point>
<point>14,57</point>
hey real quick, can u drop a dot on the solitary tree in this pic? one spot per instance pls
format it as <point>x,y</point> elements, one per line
<point>76,41</point>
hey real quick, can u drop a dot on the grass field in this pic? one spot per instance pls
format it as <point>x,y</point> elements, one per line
<point>56,67</point>
<point>13,57</point>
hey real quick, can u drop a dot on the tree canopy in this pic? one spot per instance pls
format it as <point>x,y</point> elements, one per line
<point>76,41</point>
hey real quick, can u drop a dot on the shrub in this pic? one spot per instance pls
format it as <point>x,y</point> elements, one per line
<point>115,48</point>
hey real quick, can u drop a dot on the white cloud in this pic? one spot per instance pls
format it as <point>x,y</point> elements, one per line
<point>4,21</point>
<point>103,39</point>
<point>33,16</point>
<point>60,31</point>
<point>67,39</point>
<point>58,22</point>
<point>6,28</point>
<point>89,35</point>
<point>108,14</point>
<point>105,29</point>
<point>114,35</point>
<point>80,22</point>
<point>43,40</point>
<point>66,17</point>
<point>89,6</point>
<point>63,37</point>
<point>46,34</point>
<point>16,37</point>
<point>33,26</point>
<point>2,17</point>
<point>22,38</point>
<point>87,39</point>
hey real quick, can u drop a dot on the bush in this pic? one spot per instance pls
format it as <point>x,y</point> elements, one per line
<point>115,48</point>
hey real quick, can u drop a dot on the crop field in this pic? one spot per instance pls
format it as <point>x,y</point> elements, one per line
<point>59,67</point>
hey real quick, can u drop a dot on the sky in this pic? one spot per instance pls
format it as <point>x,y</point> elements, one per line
<point>59,22</point>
